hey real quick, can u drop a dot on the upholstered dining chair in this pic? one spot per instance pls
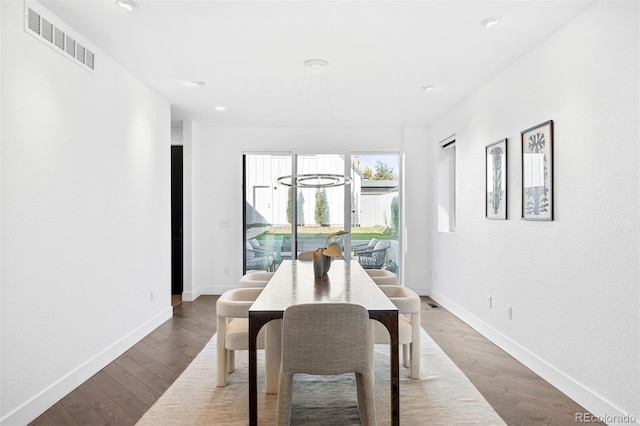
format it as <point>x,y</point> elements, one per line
<point>327,339</point>
<point>255,279</point>
<point>382,276</point>
<point>408,304</point>
<point>232,310</point>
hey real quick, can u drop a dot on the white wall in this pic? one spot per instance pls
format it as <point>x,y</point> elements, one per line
<point>217,188</point>
<point>573,282</point>
<point>85,218</point>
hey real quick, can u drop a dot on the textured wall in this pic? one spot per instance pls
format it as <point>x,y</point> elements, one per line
<point>573,282</point>
<point>85,218</point>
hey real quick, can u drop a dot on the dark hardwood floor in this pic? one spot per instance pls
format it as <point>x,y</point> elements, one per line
<point>122,392</point>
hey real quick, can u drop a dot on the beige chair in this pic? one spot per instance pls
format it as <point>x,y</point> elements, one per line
<point>408,304</point>
<point>255,279</point>
<point>382,277</point>
<point>232,334</point>
<point>327,339</point>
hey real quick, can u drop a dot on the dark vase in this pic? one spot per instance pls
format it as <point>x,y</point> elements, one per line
<point>321,263</point>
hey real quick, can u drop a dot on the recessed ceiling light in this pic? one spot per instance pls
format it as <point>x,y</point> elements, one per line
<point>198,84</point>
<point>129,5</point>
<point>221,108</point>
<point>428,88</point>
<point>490,22</point>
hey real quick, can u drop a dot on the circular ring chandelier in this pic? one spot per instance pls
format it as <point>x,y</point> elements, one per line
<point>314,180</point>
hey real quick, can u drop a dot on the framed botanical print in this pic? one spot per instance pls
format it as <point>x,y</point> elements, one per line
<point>537,172</point>
<point>496,180</point>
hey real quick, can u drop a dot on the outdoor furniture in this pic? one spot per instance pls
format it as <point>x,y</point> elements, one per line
<point>316,341</point>
<point>408,304</point>
<point>363,245</point>
<point>232,333</point>
<point>375,258</point>
<point>257,259</point>
<point>383,277</point>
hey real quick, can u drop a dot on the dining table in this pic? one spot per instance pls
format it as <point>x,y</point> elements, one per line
<point>295,283</point>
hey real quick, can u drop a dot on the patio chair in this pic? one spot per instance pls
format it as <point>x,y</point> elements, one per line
<point>258,260</point>
<point>374,259</point>
<point>363,246</point>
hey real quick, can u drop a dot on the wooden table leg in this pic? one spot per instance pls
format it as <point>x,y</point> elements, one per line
<point>390,321</point>
<point>255,324</point>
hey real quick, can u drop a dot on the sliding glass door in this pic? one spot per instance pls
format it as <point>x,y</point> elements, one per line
<point>281,189</point>
<point>320,199</point>
<point>375,210</point>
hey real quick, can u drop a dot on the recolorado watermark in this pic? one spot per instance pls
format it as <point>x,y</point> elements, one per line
<point>590,418</point>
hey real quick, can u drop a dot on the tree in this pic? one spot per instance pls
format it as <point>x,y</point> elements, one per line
<point>322,207</point>
<point>290,205</point>
<point>300,208</point>
<point>384,172</point>
<point>395,214</point>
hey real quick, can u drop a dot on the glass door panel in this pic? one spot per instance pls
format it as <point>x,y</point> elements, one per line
<point>321,205</point>
<point>375,210</point>
<point>368,209</point>
<point>267,225</point>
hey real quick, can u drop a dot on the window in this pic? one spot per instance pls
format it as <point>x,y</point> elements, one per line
<point>368,209</point>
<point>447,185</point>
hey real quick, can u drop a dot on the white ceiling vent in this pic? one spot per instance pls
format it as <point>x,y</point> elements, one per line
<point>58,39</point>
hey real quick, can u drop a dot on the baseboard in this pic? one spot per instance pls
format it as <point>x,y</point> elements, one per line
<point>214,290</point>
<point>49,396</point>
<point>584,396</point>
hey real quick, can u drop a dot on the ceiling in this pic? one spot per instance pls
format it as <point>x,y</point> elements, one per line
<point>380,54</point>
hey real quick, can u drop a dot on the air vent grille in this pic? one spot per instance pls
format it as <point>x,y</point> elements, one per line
<point>47,30</point>
<point>59,40</point>
<point>34,22</point>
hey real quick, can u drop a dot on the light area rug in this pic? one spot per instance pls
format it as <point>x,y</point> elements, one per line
<point>443,395</point>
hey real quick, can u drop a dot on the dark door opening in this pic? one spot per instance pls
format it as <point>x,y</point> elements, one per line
<point>177,265</point>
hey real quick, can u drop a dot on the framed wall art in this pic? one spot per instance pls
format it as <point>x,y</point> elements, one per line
<point>496,180</point>
<point>537,172</point>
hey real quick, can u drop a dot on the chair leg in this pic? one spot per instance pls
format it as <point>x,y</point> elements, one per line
<point>221,354</point>
<point>405,355</point>
<point>231,361</point>
<point>415,346</point>
<point>366,398</point>
<point>285,389</point>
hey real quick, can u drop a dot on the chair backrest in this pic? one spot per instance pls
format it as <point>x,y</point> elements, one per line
<point>326,338</point>
<point>406,300</point>
<point>236,303</point>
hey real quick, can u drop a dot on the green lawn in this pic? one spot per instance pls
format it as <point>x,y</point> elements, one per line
<point>357,234</point>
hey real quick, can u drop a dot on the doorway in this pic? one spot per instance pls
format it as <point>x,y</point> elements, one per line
<point>177,248</point>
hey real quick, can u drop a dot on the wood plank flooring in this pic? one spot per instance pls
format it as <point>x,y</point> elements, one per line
<point>124,390</point>
<point>518,395</point>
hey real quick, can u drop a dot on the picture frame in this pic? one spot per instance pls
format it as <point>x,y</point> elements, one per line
<point>537,172</point>
<point>496,180</point>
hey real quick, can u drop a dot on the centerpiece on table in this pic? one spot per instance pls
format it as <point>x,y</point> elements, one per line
<point>322,256</point>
